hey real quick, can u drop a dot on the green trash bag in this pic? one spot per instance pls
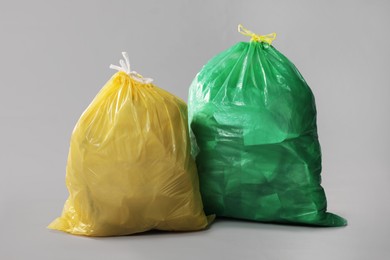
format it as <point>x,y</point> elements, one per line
<point>257,151</point>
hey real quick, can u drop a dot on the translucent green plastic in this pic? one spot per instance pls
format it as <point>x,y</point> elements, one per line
<point>254,133</point>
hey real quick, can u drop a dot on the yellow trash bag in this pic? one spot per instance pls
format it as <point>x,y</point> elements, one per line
<point>129,167</point>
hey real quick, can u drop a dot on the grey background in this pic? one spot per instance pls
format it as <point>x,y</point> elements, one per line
<point>54,58</point>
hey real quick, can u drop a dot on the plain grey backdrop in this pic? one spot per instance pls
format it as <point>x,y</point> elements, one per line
<point>54,58</point>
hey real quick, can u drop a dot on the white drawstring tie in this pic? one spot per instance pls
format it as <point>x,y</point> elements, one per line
<point>125,67</point>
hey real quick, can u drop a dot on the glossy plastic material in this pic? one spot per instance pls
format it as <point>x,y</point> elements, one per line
<point>257,150</point>
<point>129,167</point>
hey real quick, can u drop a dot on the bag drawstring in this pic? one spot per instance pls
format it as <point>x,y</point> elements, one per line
<point>125,67</point>
<point>268,38</point>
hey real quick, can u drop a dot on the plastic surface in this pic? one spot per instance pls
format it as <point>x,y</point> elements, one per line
<point>129,167</point>
<point>257,150</point>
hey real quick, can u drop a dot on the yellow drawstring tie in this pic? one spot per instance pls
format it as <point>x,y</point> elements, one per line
<point>268,38</point>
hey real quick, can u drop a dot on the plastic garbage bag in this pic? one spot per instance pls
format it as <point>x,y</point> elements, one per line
<point>129,168</point>
<point>253,118</point>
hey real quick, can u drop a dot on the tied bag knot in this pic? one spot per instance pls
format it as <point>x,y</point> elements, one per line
<point>268,38</point>
<point>125,67</point>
